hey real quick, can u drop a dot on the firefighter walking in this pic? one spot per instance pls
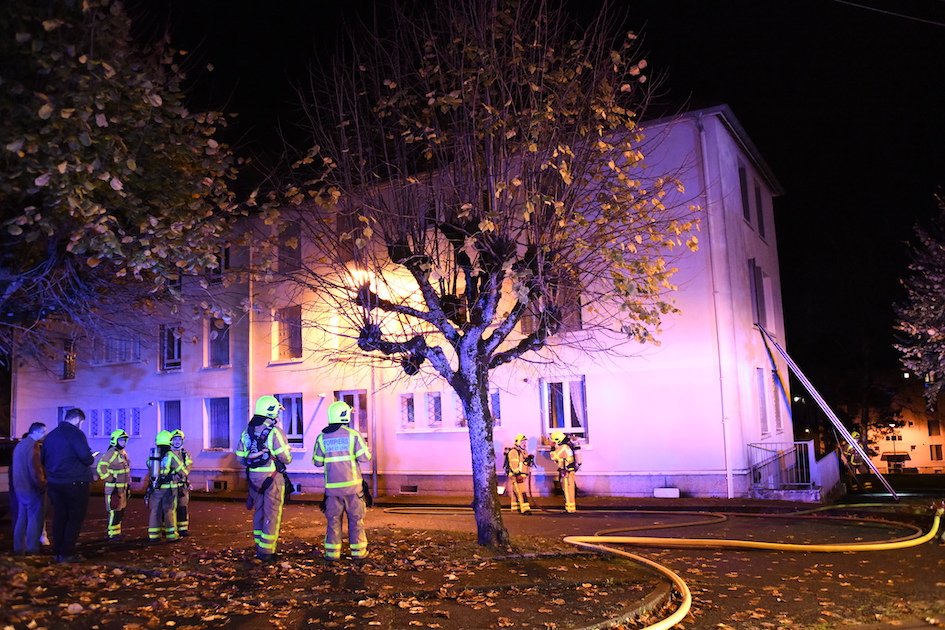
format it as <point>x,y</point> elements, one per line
<point>161,495</point>
<point>339,449</point>
<point>264,451</point>
<point>115,469</point>
<point>518,468</point>
<point>563,455</point>
<point>183,482</point>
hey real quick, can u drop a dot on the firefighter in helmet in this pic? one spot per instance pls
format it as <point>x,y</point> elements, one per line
<point>563,454</point>
<point>183,483</point>
<point>339,449</point>
<point>164,467</point>
<point>519,466</point>
<point>265,453</point>
<point>114,468</point>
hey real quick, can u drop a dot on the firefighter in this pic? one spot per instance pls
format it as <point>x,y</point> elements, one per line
<point>519,466</point>
<point>564,456</point>
<point>115,469</point>
<point>264,451</point>
<point>164,467</point>
<point>339,449</point>
<point>183,483</point>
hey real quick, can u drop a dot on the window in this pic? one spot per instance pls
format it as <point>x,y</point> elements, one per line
<point>290,248</point>
<point>935,452</point>
<point>357,400</point>
<point>218,343</point>
<point>293,422</point>
<point>218,423</point>
<point>171,347</point>
<point>776,400</point>
<point>108,424</point>
<point>289,332</point>
<point>760,210</point>
<point>215,275</point>
<point>68,360</point>
<point>756,284</point>
<point>128,419</point>
<point>95,424</point>
<point>561,303</point>
<point>565,406</point>
<point>743,187</point>
<point>170,415</point>
<point>762,388</point>
<point>935,426</point>
<point>408,411</point>
<point>116,350</point>
<point>495,407</point>
<point>434,409</point>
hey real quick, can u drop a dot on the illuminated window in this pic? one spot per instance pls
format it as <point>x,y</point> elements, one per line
<point>218,343</point>
<point>935,452</point>
<point>292,421</point>
<point>357,400</point>
<point>170,415</point>
<point>218,423</point>
<point>289,332</point>
<point>935,426</point>
<point>171,347</point>
<point>290,248</point>
<point>408,412</point>
<point>116,350</point>
<point>564,406</point>
<point>68,360</point>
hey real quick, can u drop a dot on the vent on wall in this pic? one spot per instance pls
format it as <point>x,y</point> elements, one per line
<point>405,489</point>
<point>296,487</point>
<point>136,480</point>
<point>216,485</point>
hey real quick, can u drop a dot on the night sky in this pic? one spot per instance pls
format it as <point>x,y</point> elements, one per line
<point>846,104</point>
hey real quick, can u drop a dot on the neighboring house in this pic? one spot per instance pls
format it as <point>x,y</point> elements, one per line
<point>679,414</point>
<point>913,442</point>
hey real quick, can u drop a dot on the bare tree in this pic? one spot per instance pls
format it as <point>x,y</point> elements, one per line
<point>477,187</point>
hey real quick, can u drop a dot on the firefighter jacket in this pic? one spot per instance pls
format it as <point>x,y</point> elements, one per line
<point>259,453</point>
<point>563,456</point>
<point>186,464</point>
<point>339,449</point>
<point>171,465</point>
<point>115,468</point>
<point>518,461</point>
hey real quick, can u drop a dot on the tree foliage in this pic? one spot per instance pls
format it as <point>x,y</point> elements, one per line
<point>112,188</point>
<point>479,167</point>
<point>921,317</point>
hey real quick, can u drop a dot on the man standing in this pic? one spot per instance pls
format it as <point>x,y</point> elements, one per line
<point>519,464</point>
<point>29,481</point>
<point>67,459</point>
<point>115,469</point>
<point>164,467</point>
<point>564,456</point>
<point>339,449</point>
<point>264,451</point>
<point>183,481</point>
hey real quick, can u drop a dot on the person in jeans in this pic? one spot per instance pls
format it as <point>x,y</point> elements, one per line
<point>29,482</point>
<point>68,459</point>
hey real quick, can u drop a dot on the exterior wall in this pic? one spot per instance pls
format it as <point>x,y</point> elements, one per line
<point>678,414</point>
<point>916,442</point>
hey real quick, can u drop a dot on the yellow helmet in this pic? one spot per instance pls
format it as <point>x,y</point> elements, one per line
<point>163,438</point>
<point>520,437</point>
<point>339,412</point>
<point>116,435</point>
<point>557,437</point>
<point>268,406</point>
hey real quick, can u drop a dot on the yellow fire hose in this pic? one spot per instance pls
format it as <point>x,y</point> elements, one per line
<point>598,543</point>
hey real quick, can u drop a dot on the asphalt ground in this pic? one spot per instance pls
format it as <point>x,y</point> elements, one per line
<point>426,571</point>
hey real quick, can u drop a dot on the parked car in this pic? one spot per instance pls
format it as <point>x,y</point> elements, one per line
<point>6,458</point>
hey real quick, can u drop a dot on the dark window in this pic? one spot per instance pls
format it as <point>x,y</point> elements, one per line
<point>218,343</point>
<point>743,187</point>
<point>171,347</point>
<point>170,415</point>
<point>760,210</point>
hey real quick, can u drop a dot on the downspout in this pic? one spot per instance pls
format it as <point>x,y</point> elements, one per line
<point>713,275</point>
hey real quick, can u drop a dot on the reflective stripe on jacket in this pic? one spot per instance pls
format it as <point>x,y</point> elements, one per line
<point>563,456</point>
<point>339,451</point>
<point>276,444</point>
<point>517,465</point>
<point>114,467</point>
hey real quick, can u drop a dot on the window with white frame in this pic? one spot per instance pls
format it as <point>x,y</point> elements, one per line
<point>762,389</point>
<point>218,343</point>
<point>288,335</point>
<point>564,406</point>
<point>218,423</point>
<point>128,419</point>
<point>408,411</point>
<point>357,400</point>
<point>170,347</point>
<point>170,415</point>
<point>293,423</point>
<point>434,404</point>
<point>116,350</point>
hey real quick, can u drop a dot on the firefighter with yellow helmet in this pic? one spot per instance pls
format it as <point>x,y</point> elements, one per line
<point>339,449</point>
<point>563,454</point>
<point>164,467</point>
<point>265,453</point>
<point>114,468</point>
<point>183,481</point>
<point>518,467</point>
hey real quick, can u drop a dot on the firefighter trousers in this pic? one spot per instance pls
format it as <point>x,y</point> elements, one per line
<point>567,486</point>
<point>266,492</point>
<point>520,493</point>
<point>163,514</point>
<point>183,500</point>
<point>116,500</point>
<point>336,507</point>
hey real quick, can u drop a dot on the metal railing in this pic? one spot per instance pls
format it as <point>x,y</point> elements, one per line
<point>780,465</point>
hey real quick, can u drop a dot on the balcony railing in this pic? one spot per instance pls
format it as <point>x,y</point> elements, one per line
<point>781,465</point>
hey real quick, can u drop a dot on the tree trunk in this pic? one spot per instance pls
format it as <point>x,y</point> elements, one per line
<point>473,391</point>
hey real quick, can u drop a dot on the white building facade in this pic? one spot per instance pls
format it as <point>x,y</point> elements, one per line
<point>679,414</point>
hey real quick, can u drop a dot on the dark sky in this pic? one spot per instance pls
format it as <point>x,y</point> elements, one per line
<point>847,104</point>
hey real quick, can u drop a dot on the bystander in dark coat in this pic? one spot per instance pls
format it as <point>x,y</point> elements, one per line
<point>68,460</point>
<point>29,482</point>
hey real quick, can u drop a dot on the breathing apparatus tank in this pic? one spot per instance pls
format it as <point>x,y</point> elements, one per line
<point>154,462</point>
